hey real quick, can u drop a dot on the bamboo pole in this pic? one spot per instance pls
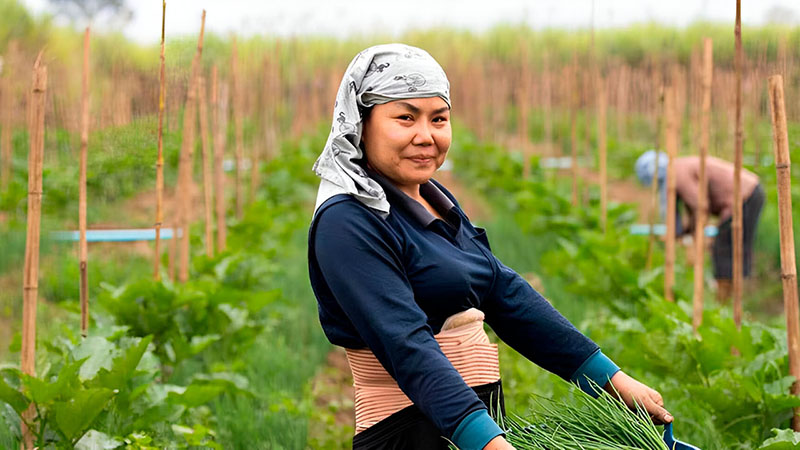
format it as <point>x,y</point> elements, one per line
<point>522,127</point>
<point>573,127</point>
<point>30,286</point>
<point>185,185</point>
<point>702,195</point>
<point>238,124</point>
<point>219,125</point>
<point>84,248</point>
<point>547,98</point>
<point>671,142</point>
<point>737,177</point>
<point>602,103</point>
<point>162,93</point>
<point>655,204</point>
<point>172,261</point>
<point>788,268</point>
<point>201,94</point>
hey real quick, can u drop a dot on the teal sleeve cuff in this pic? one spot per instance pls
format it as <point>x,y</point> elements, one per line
<point>475,431</point>
<point>598,368</point>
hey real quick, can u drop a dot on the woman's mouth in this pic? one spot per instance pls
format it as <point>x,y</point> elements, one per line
<point>421,159</point>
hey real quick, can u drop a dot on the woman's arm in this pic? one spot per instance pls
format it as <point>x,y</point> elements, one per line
<point>522,318</point>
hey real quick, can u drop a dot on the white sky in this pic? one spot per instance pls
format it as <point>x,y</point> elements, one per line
<point>345,17</point>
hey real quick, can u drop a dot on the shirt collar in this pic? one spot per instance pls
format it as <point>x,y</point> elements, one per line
<point>429,192</point>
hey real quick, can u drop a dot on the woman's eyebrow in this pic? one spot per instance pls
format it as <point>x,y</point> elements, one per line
<point>416,110</point>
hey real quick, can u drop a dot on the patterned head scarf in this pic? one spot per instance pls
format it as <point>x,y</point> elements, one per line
<point>377,75</point>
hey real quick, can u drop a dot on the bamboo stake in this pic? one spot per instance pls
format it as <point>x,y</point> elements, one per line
<point>788,268</point>
<point>547,94</point>
<point>737,177</point>
<point>219,125</point>
<point>201,94</point>
<point>671,141</point>
<point>602,101</point>
<point>30,286</point>
<point>238,124</point>
<point>702,195</point>
<point>573,127</point>
<point>522,103</point>
<point>162,93</point>
<point>185,185</point>
<point>84,248</point>
<point>173,246</point>
<point>655,204</point>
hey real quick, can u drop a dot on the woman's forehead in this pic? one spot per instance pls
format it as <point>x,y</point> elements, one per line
<point>420,104</point>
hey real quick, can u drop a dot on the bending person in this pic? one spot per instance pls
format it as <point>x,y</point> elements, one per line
<point>720,204</point>
<point>404,280</point>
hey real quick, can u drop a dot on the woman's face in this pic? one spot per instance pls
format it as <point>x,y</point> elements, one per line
<point>407,140</point>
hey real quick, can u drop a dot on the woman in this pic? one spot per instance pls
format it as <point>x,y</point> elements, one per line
<point>404,281</point>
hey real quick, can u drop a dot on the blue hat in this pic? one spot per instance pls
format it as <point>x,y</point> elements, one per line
<point>645,166</point>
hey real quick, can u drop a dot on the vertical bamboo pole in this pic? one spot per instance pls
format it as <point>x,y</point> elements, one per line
<point>602,101</point>
<point>185,185</point>
<point>737,177</point>
<point>162,93</point>
<point>655,204</point>
<point>172,261</point>
<point>547,97</point>
<point>30,286</point>
<point>219,125</point>
<point>257,145</point>
<point>523,95</point>
<point>201,94</point>
<point>671,141</point>
<point>623,86</point>
<point>238,124</point>
<point>573,127</point>
<point>788,270</point>
<point>702,195</point>
<point>84,248</point>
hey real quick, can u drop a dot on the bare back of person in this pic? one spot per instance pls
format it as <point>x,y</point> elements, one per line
<point>720,184</point>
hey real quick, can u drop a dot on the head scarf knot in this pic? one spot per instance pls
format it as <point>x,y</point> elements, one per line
<point>377,75</point>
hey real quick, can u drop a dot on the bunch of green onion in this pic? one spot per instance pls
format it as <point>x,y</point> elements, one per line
<point>590,423</point>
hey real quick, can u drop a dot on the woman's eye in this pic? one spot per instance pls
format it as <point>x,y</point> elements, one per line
<point>405,117</point>
<point>440,119</point>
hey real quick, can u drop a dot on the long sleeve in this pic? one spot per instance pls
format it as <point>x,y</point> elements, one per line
<point>527,322</point>
<point>361,262</point>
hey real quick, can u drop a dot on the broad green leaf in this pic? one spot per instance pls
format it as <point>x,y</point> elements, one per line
<point>200,343</point>
<point>13,397</point>
<point>99,353</point>
<point>123,367</point>
<point>41,392</point>
<point>784,439</point>
<point>75,415</point>
<point>96,440</point>
<point>196,394</point>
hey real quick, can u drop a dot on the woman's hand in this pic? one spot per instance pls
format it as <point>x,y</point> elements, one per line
<point>630,389</point>
<point>498,443</point>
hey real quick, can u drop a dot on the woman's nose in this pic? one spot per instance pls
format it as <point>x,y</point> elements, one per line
<point>423,135</point>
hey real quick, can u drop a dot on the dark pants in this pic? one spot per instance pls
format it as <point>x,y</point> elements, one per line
<point>722,251</point>
<point>410,429</point>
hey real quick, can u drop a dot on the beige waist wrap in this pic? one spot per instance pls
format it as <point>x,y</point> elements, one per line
<point>467,346</point>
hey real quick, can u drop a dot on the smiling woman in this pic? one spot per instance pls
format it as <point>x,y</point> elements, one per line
<point>404,281</point>
<point>406,141</point>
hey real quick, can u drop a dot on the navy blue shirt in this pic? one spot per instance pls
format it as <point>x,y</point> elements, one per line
<point>389,283</point>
